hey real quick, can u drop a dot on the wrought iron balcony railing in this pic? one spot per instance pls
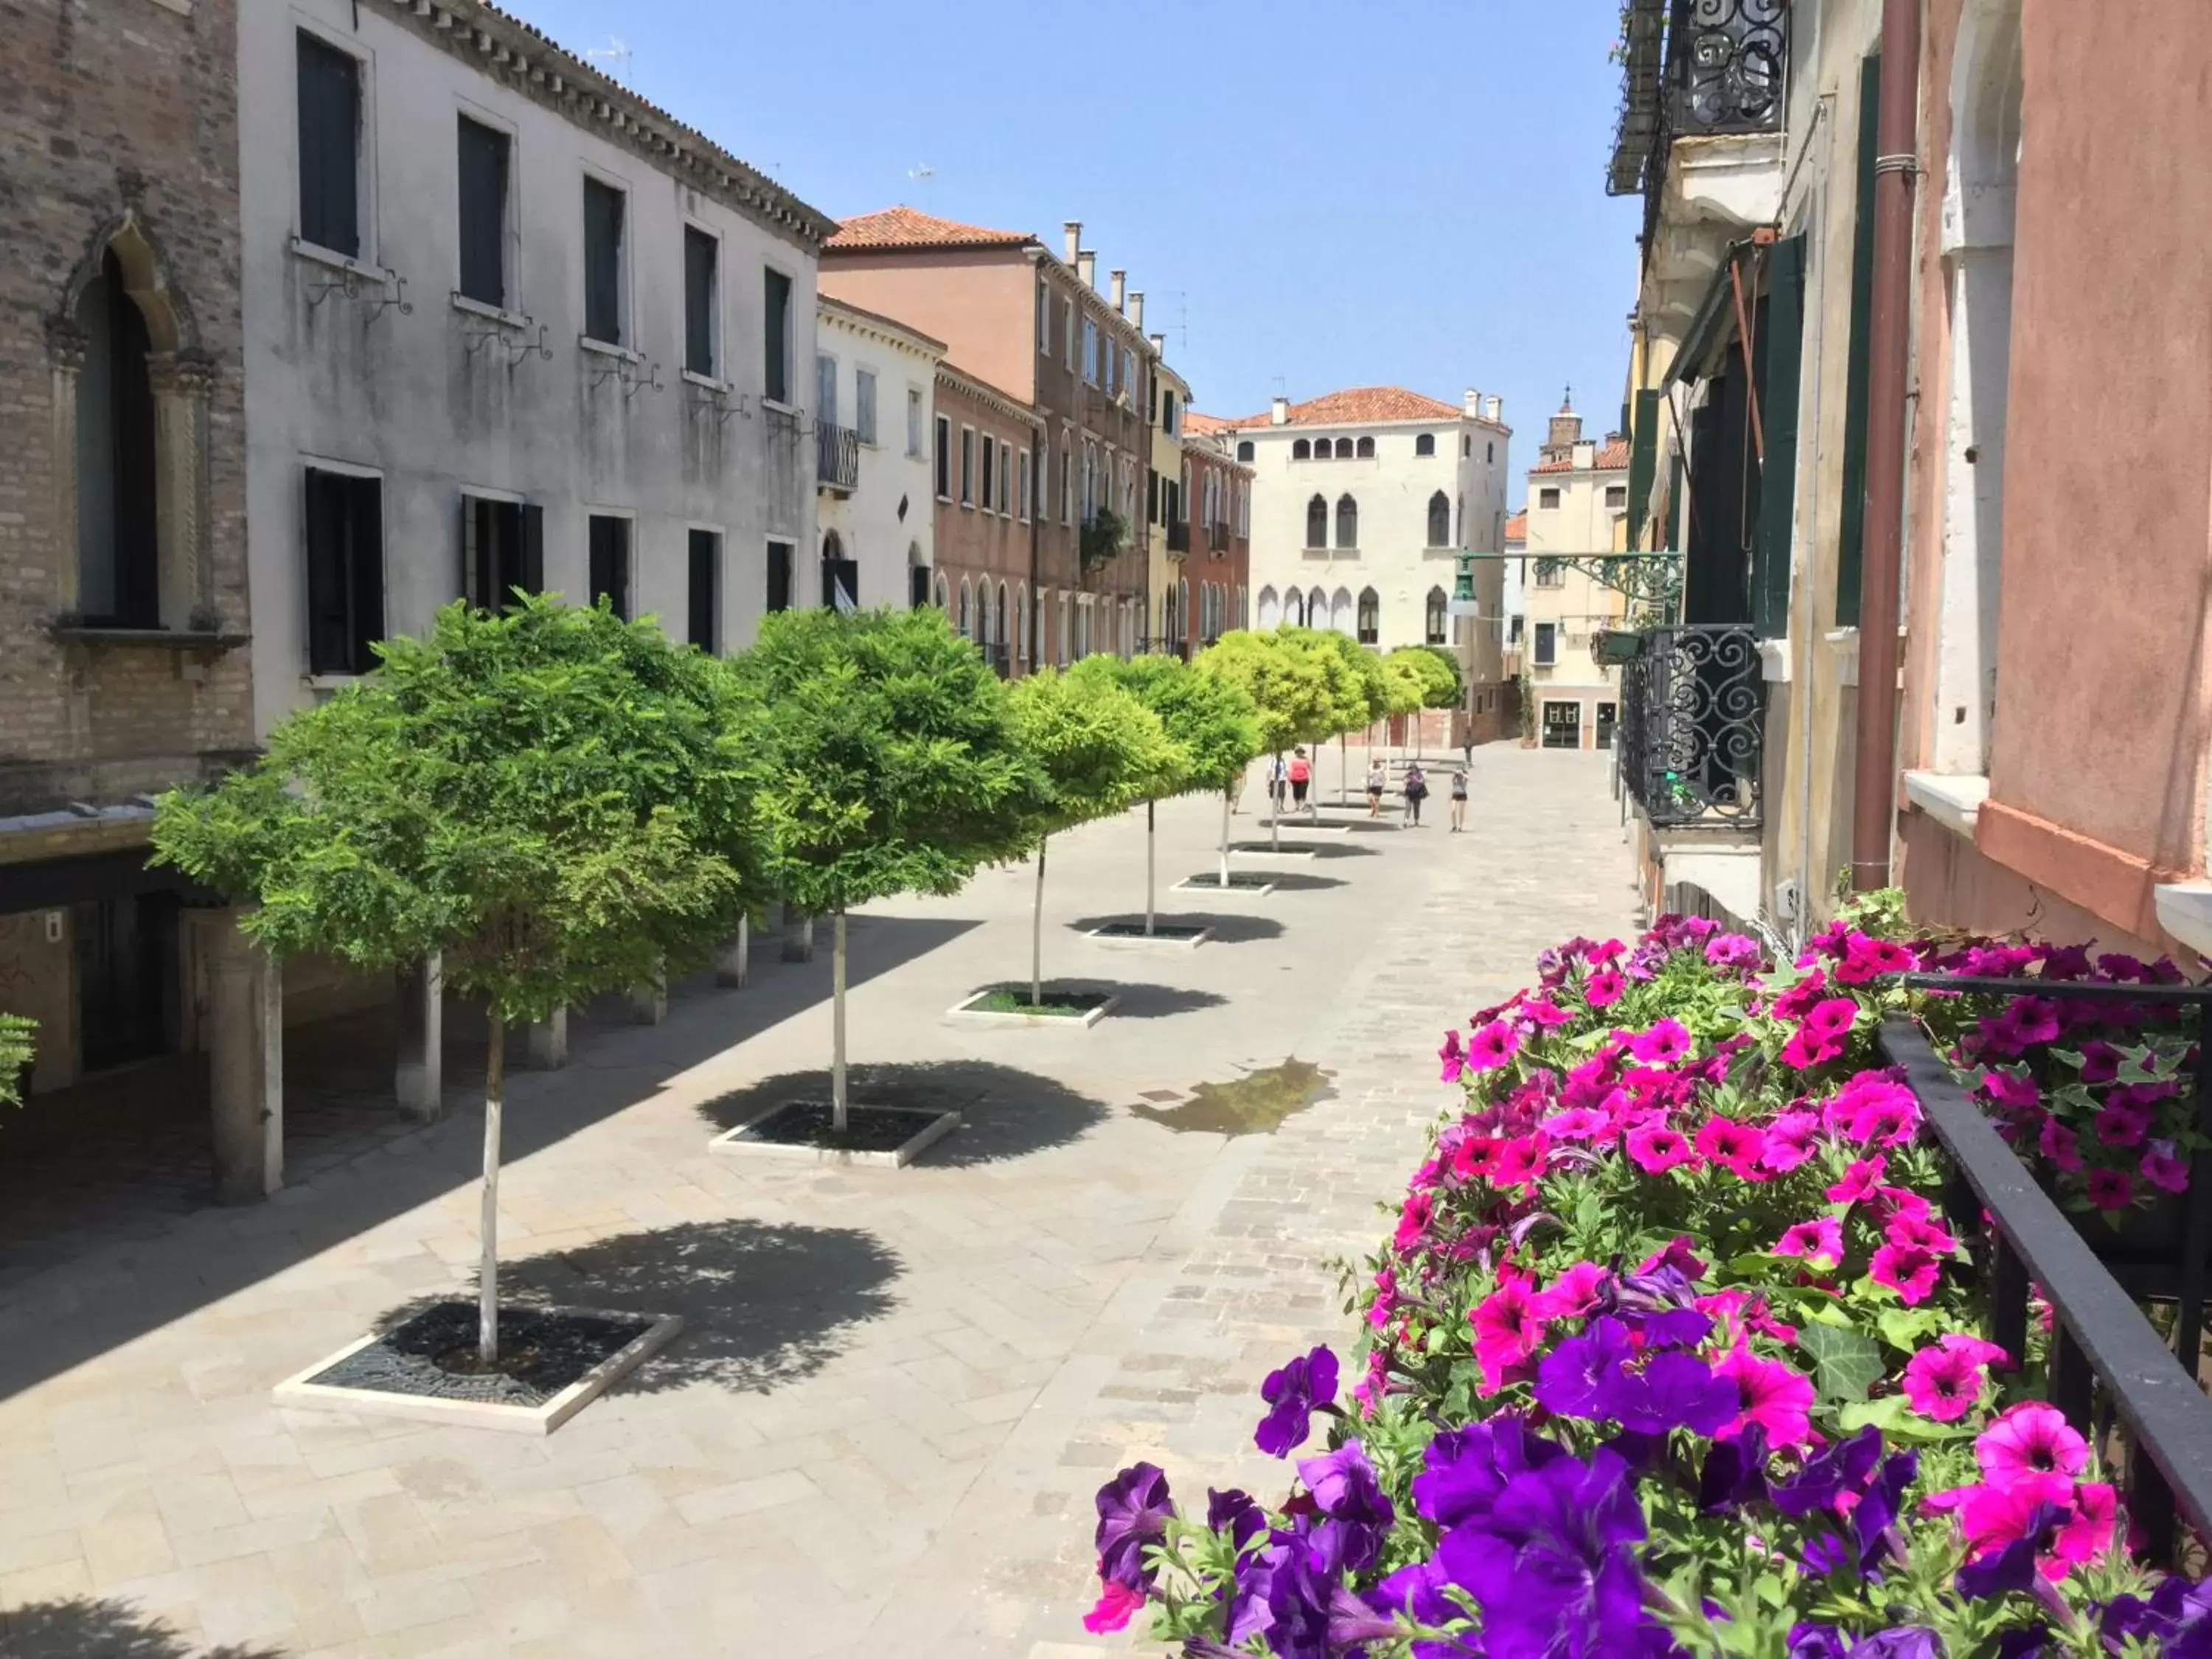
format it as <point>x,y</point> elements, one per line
<point>1693,69</point>
<point>1693,727</point>
<point>1178,535</point>
<point>1217,537</point>
<point>836,456</point>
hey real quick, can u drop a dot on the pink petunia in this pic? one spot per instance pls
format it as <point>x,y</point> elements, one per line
<point>1117,1605</point>
<point>1573,1293</point>
<point>2120,1124</point>
<point>1580,1124</point>
<point>1657,1149</point>
<point>1736,1147</point>
<point>1993,1515</point>
<point>2057,1143</point>
<point>2009,1090</point>
<point>1773,1395</point>
<point>1797,1001</point>
<point>2163,1169</point>
<point>1414,1222</point>
<point>1508,1329</point>
<point>1918,1232</point>
<point>2110,1190</point>
<point>1453,1057</point>
<point>1492,1045</point>
<point>1604,988</point>
<point>1804,1050</point>
<point>1942,1384</point>
<point>1820,1241</point>
<point>2031,1438</point>
<point>1911,1271</point>
<point>1889,1117</point>
<point>1663,1044</point>
<point>1862,1177</point>
<point>2089,1534</point>
<point>1545,1013</point>
<point>1790,1141</point>
<point>1831,1021</point>
<point>1679,1254</point>
<point>1522,1160</point>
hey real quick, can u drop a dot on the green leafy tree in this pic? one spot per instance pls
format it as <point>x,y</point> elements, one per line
<point>1288,686</point>
<point>556,801</point>
<point>1210,720</point>
<point>16,1049</point>
<point>1363,696</point>
<point>891,765</point>
<point>1408,691</point>
<point>1439,671</point>
<point>1097,751</point>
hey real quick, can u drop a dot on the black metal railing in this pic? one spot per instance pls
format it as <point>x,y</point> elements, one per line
<point>1693,727</point>
<point>1178,535</point>
<point>1693,68</point>
<point>2100,1339</point>
<point>836,456</point>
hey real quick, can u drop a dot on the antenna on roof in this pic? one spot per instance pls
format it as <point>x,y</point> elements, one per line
<point>615,55</point>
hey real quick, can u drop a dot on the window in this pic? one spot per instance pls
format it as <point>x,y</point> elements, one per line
<point>1245,452</point>
<point>944,601</point>
<point>1548,644</point>
<point>1005,478</point>
<point>703,591</point>
<point>1021,487</point>
<point>917,577</point>
<point>1563,724</point>
<point>1433,627</point>
<point>1365,450</point>
<point>1318,522</point>
<point>1066,484</point>
<point>944,459</point>
<point>482,164</point>
<point>118,448</point>
<point>1426,444</point>
<point>345,571</point>
<point>841,576</point>
<point>967,466</point>
<point>1068,329</point>
<point>913,422</point>
<point>1044,318</point>
<point>775,383</point>
<point>1465,444</point>
<point>1302,451</point>
<point>1547,498</point>
<point>503,549</point>
<point>1490,452</point>
<point>1089,481</point>
<point>1616,497</point>
<point>603,262</point>
<point>702,284</point>
<point>1244,507</point>
<point>1344,449</point>
<point>1514,629</point>
<point>1294,608</point>
<point>863,405</point>
<point>609,560</point>
<point>1090,351</point>
<point>1550,573</point>
<point>825,388</point>
<point>1001,622</point>
<point>1439,520</point>
<point>1022,623</point>
<point>1371,616</point>
<point>779,576</point>
<point>330,146</point>
<point>990,473</point>
<point>1347,522</point>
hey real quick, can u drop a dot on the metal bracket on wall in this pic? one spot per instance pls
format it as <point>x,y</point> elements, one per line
<point>711,400</point>
<point>392,287</point>
<point>633,383</point>
<point>517,350</point>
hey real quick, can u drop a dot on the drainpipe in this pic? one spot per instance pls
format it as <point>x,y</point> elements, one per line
<point>1873,809</point>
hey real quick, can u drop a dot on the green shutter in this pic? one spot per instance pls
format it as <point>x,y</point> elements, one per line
<point>1852,519</point>
<point>1642,464</point>
<point>1782,348</point>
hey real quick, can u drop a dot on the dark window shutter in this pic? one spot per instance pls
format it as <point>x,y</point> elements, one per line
<point>1642,464</point>
<point>776,323</point>
<point>1851,517</point>
<point>330,123</point>
<point>1152,496</point>
<point>483,156</point>
<point>324,518</point>
<point>779,575</point>
<point>706,587</point>
<point>532,575</point>
<point>472,585</point>
<point>610,558</point>
<point>603,234</point>
<point>700,253</point>
<point>1781,343</point>
<point>366,548</point>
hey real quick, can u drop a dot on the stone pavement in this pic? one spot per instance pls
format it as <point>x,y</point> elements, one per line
<point>897,1390</point>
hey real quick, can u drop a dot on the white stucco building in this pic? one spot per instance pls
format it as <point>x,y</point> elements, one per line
<point>1577,501</point>
<point>506,324</point>
<point>1361,500</point>
<point>874,399</point>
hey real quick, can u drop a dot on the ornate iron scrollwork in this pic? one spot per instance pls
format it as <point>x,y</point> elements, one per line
<point>1733,60</point>
<point>1693,727</point>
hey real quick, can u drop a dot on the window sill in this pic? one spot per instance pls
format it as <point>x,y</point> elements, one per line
<point>777,406</point>
<point>1774,661</point>
<point>159,638</point>
<point>607,349</point>
<point>329,682</point>
<point>499,315</point>
<point>1953,802</point>
<point>2185,910</point>
<point>316,254</point>
<point>705,382</point>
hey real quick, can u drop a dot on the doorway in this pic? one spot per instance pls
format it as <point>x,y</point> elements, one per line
<point>126,976</point>
<point>1607,718</point>
<point>1562,725</point>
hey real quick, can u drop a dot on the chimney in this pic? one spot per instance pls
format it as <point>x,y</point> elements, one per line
<point>1159,342</point>
<point>1279,413</point>
<point>1472,405</point>
<point>1071,233</point>
<point>1493,409</point>
<point>1117,288</point>
<point>1086,268</point>
<point>1137,311</point>
<point>1585,454</point>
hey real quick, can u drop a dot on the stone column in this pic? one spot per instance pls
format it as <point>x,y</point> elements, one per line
<point>798,936</point>
<point>245,1065</point>
<point>420,1080</point>
<point>734,968</point>
<point>547,1043</point>
<point>648,1003</point>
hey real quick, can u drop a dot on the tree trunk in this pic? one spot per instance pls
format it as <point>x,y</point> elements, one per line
<point>837,1020</point>
<point>1343,774</point>
<point>1036,934</point>
<point>1152,845</point>
<point>1224,843</point>
<point>488,1222</point>
<point>1276,802</point>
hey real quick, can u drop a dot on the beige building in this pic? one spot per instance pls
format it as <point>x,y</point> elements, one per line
<point>1167,506</point>
<point>1577,500</point>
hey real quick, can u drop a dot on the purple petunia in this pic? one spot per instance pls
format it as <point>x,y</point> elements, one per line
<point>1294,1393</point>
<point>1575,1377</point>
<point>1346,1490</point>
<point>1133,1510</point>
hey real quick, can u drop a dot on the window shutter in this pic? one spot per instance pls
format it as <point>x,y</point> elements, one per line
<point>471,589</point>
<point>330,120</point>
<point>534,551</point>
<point>776,323</point>
<point>1851,526</point>
<point>323,519</point>
<point>1643,464</point>
<point>602,231</point>
<point>1782,345</point>
<point>699,290</point>
<point>483,156</point>
<point>366,545</point>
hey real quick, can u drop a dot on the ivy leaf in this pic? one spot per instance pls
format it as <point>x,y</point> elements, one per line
<point>1846,1363</point>
<point>1907,1328</point>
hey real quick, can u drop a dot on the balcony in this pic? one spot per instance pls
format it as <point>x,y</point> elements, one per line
<point>1693,728</point>
<point>837,457</point>
<point>1178,537</point>
<point>1216,538</point>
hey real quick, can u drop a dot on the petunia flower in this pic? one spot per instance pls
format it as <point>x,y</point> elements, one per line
<point>1508,1329</point>
<point>1580,1124</point>
<point>1830,1020</point>
<point>1663,1044</point>
<point>1574,1293</point>
<point>1820,1241</point>
<point>2163,1169</point>
<point>1133,1510</point>
<point>2089,1534</point>
<point>1862,1177</point>
<point>1736,1147</point>
<point>1804,1050</point>
<point>2110,1190</point>
<point>1840,1470</point>
<point>1678,1255</point>
<point>1604,988</point>
<point>1942,1384</point>
<point>1733,951</point>
<point>1464,1470</point>
<point>2012,1090</point>
<point>1770,1395</point>
<point>1452,1056</point>
<point>2058,1144</point>
<point>1117,1605</point>
<point>1789,1141</point>
<point>1888,1119</point>
<point>1916,1231</point>
<point>1414,1219</point>
<point>1545,1013</point>
<point>1344,1488</point>
<point>1906,1269</point>
<point>1522,1160</point>
<point>1574,1377</point>
<point>2031,1438</point>
<point>1673,1391</point>
<point>1302,1387</point>
<point>1658,1150</point>
<point>1492,1045</point>
<point>2122,1124</point>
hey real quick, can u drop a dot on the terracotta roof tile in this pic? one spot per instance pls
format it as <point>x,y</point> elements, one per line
<point>1611,458</point>
<point>906,227</point>
<point>1358,406</point>
<point>1204,426</point>
<point>1517,527</point>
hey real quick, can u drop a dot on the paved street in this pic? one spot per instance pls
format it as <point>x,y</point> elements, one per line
<point>897,1389</point>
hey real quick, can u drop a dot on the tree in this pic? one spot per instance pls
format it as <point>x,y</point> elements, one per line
<point>1362,690</point>
<point>1210,720</point>
<point>1097,751</point>
<point>1408,691</point>
<point>553,799</point>
<point>1439,674</point>
<point>15,1054</point>
<point>1288,686</point>
<point>891,765</point>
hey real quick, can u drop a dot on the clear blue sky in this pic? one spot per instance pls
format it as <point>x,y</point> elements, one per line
<point>1312,193</point>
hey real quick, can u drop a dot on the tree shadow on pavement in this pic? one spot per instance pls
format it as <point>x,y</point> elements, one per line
<point>83,1627</point>
<point>1293,881</point>
<point>1147,1001</point>
<point>1227,929</point>
<point>1006,1113</point>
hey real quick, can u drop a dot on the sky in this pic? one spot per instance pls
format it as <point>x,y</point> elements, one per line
<point>1312,194</point>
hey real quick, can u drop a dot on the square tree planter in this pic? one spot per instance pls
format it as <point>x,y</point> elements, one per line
<point>1008,1005</point>
<point>1186,935</point>
<point>556,1361</point>
<point>1261,849</point>
<point>890,1137</point>
<point>1243,884</point>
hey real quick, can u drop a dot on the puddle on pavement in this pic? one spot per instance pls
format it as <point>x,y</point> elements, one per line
<point>1256,1103</point>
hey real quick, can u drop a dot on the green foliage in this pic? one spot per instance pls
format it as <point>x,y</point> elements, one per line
<point>1409,691</point>
<point>1096,748</point>
<point>16,1049</point>
<point>1105,533</point>
<point>1439,673</point>
<point>1362,689</point>
<point>1287,684</point>
<point>557,801</point>
<point>890,760</point>
<point>1210,718</point>
<point>1846,1361</point>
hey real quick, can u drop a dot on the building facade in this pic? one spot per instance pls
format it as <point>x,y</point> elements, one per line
<point>875,394</point>
<point>1577,499</point>
<point>1166,511</point>
<point>1210,593</point>
<point>982,483</point>
<point>509,325</point>
<point>1016,317</point>
<point>123,590</point>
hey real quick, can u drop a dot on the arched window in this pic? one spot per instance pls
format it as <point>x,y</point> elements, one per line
<point>1271,608</point>
<point>1317,521</point>
<point>1316,609</point>
<point>1244,451</point>
<point>943,594</point>
<point>1366,450</point>
<point>119,556</point>
<point>1243,617</point>
<point>1439,520</point>
<point>1344,449</point>
<point>1300,451</point>
<point>998,619</point>
<point>1347,522</point>
<point>1433,623</point>
<point>1371,615</point>
<point>1022,623</point>
<point>1294,608</point>
<point>1466,445</point>
<point>967,616</point>
<point>1426,444</point>
<point>917,577</point>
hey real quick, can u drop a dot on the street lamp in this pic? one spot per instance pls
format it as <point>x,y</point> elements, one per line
<point>1464,604</point>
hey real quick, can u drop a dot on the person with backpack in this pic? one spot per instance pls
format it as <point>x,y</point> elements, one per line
<point>1300,777</point>
<point>1459,799</point>
<point>1417,791</point>
<point>1278,781</point>
<point>1378,778</point>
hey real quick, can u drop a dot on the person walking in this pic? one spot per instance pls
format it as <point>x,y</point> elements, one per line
<point>1300,777</point>
<point>1377,776</point>
<point>1417,791</point>
<point>1459,799</point>
<point>1279,774</point>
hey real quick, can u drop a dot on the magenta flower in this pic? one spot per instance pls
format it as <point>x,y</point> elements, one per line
<point>1521,1161</point>
<point>2110,1190</point>
<point>2010,1091</point>
<point>1909,1271</point>
<point>1832,1019</point>
<point>1790,1141</point>
<point>1736,1147</point>
<point>1733,951</point>
<point>2163,1169</point>
<point>1942,1384</point>
<point>1890,1117</point>
<point>2059,1145</point>
<point>1820,1241</point>
<point>1117,1604</point>
<point>1657,1149</point>
<point>1508,1329</point>
<point>1545,1013</point>
<point>1663,1044</point>
<point>1604,988</point>
<point>1804,1051</point>
<point>1915,1231</point>
<point>1492,1045</point>
<point>1862,1177</point>
<point>2032,1438</point>
<point>1574,1293</point>
<point>1770,1395</point>
<point>1580,1124</point>
<point>2089,1534</point>
<point>1452,1056</point>
<point>2122,1124</point>
<point>1678,1255</point>
<point>1414,1220</point>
